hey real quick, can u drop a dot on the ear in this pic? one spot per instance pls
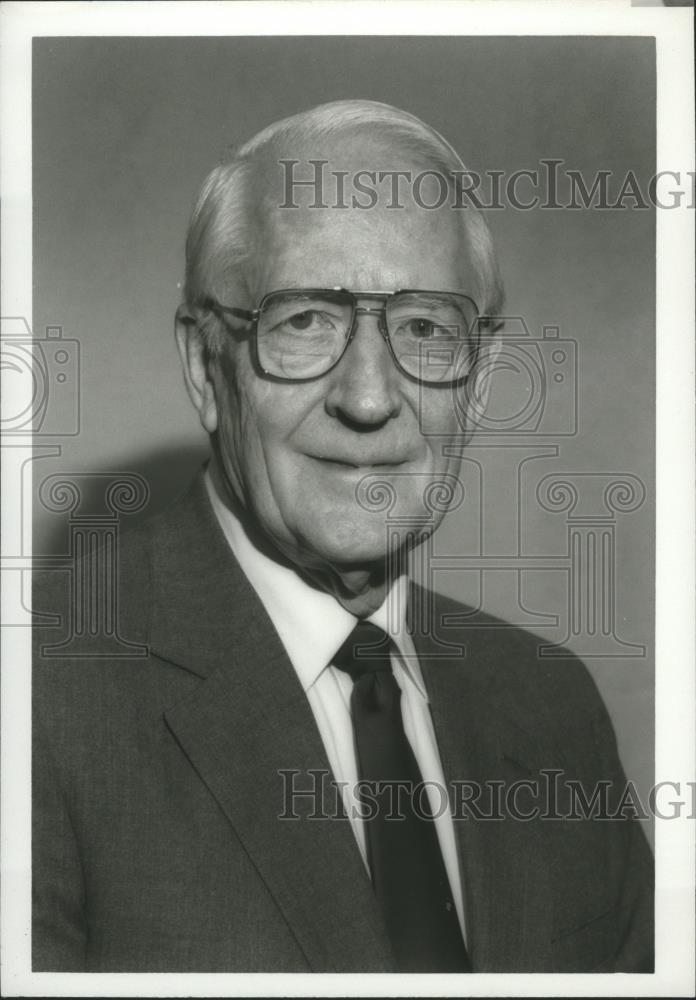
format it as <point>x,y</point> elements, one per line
<point>195,362</point>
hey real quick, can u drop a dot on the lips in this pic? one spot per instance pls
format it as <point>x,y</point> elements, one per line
<point>379,462</point>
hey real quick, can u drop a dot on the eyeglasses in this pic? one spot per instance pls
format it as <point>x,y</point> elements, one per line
<point>300,334</point>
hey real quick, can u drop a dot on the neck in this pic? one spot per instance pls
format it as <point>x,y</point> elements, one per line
<point>359,591</point>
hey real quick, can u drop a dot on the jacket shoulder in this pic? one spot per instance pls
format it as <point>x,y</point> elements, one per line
<point>513,664</point>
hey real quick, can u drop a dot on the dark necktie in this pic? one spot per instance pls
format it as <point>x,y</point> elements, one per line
<point>408,873</point>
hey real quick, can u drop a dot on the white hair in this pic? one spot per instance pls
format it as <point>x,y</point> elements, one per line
<point>223,234</point>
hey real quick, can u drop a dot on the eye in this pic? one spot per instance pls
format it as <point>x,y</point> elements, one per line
<point>302,320</point>
<point>307,322</point>
<point>420,327</point>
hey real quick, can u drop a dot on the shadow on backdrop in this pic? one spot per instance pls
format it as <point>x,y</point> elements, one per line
<point>166,472</point>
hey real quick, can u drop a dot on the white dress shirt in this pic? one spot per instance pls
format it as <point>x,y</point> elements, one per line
<point>312,626</point>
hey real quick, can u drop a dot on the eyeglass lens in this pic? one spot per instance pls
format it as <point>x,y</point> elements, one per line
<point>302,334</point>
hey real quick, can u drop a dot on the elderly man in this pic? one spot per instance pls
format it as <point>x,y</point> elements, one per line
<point>183,817</point>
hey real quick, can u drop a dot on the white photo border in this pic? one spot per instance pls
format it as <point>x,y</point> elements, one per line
<point>675,681</point>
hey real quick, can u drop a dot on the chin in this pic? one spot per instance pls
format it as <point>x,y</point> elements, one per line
<point>350,545</point>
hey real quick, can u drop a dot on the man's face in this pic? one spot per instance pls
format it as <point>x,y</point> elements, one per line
<point>295,454</point>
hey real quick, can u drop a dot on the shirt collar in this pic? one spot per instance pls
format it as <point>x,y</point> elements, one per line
<point>311,623</point>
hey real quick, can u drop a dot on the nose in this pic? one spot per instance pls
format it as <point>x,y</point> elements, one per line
<point>365,389</point>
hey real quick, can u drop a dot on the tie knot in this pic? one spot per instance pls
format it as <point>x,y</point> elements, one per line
<point>365,651</point>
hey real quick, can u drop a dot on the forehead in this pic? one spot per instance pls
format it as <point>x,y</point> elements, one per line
<point>355,249</point>
<point>380,247</point>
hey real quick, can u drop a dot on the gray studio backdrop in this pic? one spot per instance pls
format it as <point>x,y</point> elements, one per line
<point>555,530</point>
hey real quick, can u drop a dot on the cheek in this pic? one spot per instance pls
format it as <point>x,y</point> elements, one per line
<point>439,413</point>
<point>254,421</point>
<point>442,425</point>
<point>237,421</point>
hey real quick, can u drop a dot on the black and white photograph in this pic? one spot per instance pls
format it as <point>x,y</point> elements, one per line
<point>347,446</point>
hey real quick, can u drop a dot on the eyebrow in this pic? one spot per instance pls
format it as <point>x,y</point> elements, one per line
<point>431,299</point>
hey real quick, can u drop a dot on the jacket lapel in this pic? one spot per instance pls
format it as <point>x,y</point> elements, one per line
<point>249,732</point>
<point>502,864</point>
<point>248,722</point>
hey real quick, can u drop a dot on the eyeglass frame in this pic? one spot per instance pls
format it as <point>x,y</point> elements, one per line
<point>252,316</point>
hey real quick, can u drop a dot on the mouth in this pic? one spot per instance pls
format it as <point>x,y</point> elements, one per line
<point>364,464</point>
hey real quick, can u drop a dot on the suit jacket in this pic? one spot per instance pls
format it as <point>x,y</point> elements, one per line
<point>157,843</point>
